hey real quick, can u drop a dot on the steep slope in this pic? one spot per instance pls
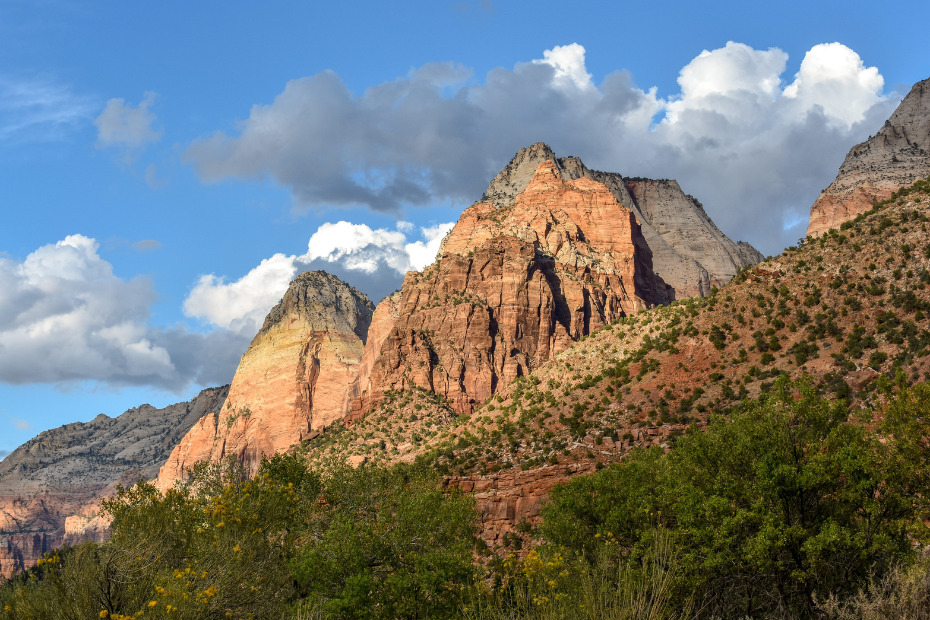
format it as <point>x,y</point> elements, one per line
<point>851,309</point>
<point>512,287</point>
<point>689,252</point>
<point>292,381</point>
<point>895,157</point>
<point>49,485</point>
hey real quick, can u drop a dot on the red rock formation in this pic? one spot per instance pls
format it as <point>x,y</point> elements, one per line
<point>689,252</point>
<point>506,499</point>
<point>513,286</point>
<point>294,379</point>
<point>895,157</point>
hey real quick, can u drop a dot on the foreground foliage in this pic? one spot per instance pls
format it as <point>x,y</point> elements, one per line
<point>788,508</point>
<point>785,504</point>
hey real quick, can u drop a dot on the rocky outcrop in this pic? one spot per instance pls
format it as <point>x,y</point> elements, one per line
<point>513,286</point>
<point>294,379</point>
<point>689,252</point>
<point>50,486</point>
<point>895,157</point>
<point>504,500</point>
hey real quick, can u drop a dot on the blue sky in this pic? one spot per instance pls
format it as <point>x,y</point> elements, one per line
<point>166,169</point>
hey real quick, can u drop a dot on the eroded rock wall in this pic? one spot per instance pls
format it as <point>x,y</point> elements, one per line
<point>512,287</point>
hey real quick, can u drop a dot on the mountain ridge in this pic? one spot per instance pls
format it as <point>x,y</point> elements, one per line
<point>896,156</point>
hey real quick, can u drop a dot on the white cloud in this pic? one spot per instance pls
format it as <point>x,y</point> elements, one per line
<point>121,124</point>
<point>241,306</point>
<point>423,253</point>
<point>755,151</point>
<point>568,62</point>
<point>834,77</point>
<point>65,317</point>
<point>375,260</point>
<point>39,110</point>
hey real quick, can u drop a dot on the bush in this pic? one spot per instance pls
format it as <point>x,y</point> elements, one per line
<point>784,502</point>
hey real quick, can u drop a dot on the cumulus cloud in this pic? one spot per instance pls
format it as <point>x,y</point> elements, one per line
<point>372,260</point>
<point>65,317</point>
<point>569,68</point>
<point>242,305</point>
<point>753,148</point>
<point>120,124</point>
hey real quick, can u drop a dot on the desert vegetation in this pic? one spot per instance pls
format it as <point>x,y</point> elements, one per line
<point>795,505</point>
<point>761,452</point>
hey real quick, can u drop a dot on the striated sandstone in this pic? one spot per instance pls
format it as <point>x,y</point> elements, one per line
<point>689,252</point>
<point>294,379</point>
<point>51,485</point>
<point>896,156</point>
<point>512,287</point>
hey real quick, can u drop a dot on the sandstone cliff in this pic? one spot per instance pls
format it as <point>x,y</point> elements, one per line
<point>293,380</point>
<point>514,284</point>
<point>50,485</point>
<point>896,156</point>
<point>689,252</point>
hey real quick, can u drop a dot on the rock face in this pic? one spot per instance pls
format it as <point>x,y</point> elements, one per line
<point>514,284</point>
<point>896,156</point>
<point>50,485</point>
<point>293,380</point>
<point>689,252</point>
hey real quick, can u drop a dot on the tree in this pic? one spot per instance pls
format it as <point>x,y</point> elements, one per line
<point>387,543</point>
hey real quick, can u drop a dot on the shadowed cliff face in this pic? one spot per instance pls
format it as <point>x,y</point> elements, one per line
<point>896,156</point>
<point>294,379</point>
<point>50,486</point>
<point>512,287</point>
<point>689,252</point>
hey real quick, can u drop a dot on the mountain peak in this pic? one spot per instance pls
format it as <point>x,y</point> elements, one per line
<point>895,157</point>
<point>689,252</point>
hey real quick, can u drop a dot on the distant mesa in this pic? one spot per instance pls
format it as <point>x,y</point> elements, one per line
<point>895,157</point>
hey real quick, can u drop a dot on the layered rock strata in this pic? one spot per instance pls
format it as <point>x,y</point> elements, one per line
<point>895,157</point>
<point>50,486</point>
<point>513,285</point>
<point>294,379</point>
<point>689,252</point>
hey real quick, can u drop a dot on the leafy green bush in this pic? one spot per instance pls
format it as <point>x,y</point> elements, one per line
<point>784,502</point>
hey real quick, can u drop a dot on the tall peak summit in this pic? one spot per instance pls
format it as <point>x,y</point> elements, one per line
<point>689,252</point>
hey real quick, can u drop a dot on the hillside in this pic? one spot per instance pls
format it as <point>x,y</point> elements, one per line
<point>50,486</point>
<point>849,308</point>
